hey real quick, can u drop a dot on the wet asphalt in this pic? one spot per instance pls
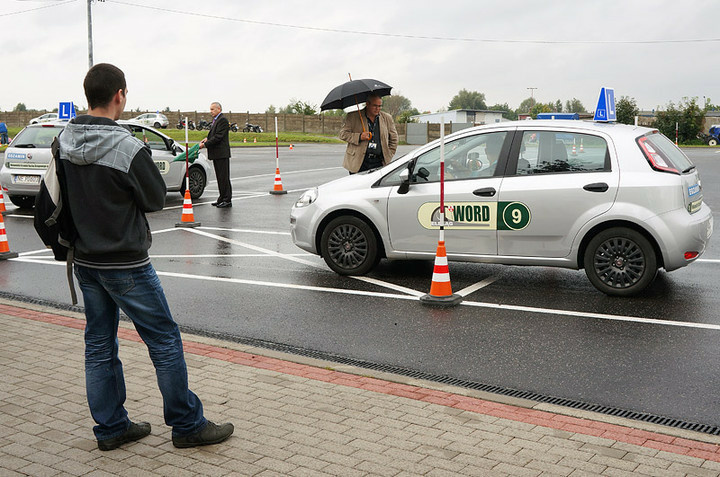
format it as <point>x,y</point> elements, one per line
<point>540,330</point>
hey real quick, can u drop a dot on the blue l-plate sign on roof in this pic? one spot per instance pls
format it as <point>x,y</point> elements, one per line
<point>605,110</point>
<point>66,111</point>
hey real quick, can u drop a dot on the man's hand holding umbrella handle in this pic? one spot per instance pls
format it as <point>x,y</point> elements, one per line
<point>365,136</point>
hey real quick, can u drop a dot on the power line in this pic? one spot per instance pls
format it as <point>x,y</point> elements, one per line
<point>419,37</point>
<point>36,8</point>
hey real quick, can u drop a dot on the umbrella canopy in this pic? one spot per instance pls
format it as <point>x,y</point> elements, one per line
<point>353,92</point>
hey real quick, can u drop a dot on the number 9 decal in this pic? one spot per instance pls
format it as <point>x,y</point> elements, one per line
<point>516,216</point>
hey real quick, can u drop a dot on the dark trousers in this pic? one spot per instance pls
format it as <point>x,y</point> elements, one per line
<point>222,173</point>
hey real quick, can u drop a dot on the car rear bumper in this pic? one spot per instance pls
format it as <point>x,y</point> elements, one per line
<point>683,232</point>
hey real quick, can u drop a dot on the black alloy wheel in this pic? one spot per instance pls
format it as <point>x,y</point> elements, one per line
<point>349,246</point>
<point>198,182</point>
<point>620,262</point>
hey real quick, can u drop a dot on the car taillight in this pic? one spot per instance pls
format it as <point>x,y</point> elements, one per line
<point>656,160</point>
<point>691,255</point>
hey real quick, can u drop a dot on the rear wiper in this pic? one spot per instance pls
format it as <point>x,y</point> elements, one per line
<point>688,169</point>
<point>24,145</point>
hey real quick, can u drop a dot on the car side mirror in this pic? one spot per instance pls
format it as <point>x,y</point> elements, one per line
<point>405,178</point>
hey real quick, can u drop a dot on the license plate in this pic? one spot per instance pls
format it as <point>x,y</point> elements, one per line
<point>23,179</point>
<point>163,166</point>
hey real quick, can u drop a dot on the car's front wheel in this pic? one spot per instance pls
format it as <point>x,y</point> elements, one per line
<point>349,246</point>
<point>620,261</point>
<point>23,201</point>
<point>198,181</point>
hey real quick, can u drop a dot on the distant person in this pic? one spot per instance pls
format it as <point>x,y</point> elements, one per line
<point>373,145</point>
<point>112,182</point>
<point>217,144</point>
<point>3,133</point>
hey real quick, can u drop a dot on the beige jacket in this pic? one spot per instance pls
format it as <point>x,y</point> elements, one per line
<point>355,152</point>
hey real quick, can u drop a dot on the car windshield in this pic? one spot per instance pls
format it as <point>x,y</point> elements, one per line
<point>41,137</point>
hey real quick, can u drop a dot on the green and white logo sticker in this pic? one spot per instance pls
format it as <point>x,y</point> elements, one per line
<point>476,215</point>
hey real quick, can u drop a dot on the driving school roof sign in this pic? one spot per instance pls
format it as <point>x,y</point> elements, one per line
<point>605,110</point>
<point>66,111</point>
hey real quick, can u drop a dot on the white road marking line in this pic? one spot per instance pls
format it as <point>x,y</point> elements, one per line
<point>246,231</point>
<point>497,306</point>
<point>392,286</point>
<point>473,288</point>
<point>232,255</point>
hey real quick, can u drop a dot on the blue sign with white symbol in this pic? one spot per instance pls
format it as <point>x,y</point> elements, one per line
<point>66,111</point>
<point>605,110</point>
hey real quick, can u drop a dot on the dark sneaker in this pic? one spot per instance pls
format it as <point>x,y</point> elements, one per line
<point>222,205</point>
<point>210,434</point>
<point>137,430</point>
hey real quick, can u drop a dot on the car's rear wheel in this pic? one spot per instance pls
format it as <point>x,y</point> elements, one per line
<point>23,201</point>
<point>156,125</point>
<point>620,261</point>
<point>713,142</point>
<point>349,246</point>
<point>198,181</point>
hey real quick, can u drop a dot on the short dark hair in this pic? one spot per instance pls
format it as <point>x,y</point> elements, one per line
<point>101,83</point>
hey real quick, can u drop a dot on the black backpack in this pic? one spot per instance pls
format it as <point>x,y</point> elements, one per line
<point>53,222</point>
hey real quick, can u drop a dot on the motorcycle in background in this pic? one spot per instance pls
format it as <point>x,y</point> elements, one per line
<point>252,128</point>
<point>202,124</point>
<point>181,124</point>
<point>234,127</point>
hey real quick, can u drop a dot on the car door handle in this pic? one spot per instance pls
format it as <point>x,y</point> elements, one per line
<point>485,192</point>
<point>597,187</point>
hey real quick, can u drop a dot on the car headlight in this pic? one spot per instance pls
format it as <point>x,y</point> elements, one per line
<point>308,197</point>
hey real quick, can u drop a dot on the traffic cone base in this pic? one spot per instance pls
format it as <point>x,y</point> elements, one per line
<point>277,187</point>
<point>440,289</point>
<point>188,218</point>
<point>5,252</point>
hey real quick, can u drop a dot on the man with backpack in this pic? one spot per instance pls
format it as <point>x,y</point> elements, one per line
<point>110,183</point>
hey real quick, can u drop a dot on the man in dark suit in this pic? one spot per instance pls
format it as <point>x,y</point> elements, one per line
<point>217,143</point>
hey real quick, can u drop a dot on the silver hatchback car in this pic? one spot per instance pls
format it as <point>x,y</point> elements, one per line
<point>28,155</point>
<point>619,201</point>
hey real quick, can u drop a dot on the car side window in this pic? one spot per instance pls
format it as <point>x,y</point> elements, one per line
<point>153,140</point>
<point>469,157</point>
<point>546,152</point>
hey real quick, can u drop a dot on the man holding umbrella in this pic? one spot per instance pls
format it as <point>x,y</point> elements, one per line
<point>371,136</point>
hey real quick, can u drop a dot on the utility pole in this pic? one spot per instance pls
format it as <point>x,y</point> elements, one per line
<point>90,43</point>
<point>532,101</point>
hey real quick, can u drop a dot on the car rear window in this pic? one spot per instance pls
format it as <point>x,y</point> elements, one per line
<point>663,155</point>
<point>547,152</point>
<point>40,137</point>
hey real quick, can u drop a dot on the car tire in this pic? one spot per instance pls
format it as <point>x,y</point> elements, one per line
<point>156,125</point>
<point>198,181</point>
<point>713,142</point>
<point>349,246</point>
<point>620,262</point>
<point>23,201</point>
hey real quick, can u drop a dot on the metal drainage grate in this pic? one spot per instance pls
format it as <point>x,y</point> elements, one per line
<point>503,391</point>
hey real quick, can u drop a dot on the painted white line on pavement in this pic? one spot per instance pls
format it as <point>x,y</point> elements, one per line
<point>497,306</point>
<point>473,288</point>
<point>246,231</point>
<point>392,286</point>
<point>221,255</point>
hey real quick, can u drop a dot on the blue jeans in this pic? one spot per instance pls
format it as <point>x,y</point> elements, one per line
<point>138,293</point>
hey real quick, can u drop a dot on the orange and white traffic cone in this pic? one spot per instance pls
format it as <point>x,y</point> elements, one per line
<point>5,252</point>
<point>581,147</point>
<point>244,139</point>
<point>255,139</point>
<point>440,289</point>
<point>2,202</point>
<point>574,151</point>
<point>277,186</point>
<point>188,218</point>
<point>291,147</point>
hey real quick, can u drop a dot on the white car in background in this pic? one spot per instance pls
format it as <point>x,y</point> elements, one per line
<point>619,201</point>
<point>155,120</point>
<point>44,118</point>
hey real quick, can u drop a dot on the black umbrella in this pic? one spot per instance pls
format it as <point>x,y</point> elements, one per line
<point>353,92</point>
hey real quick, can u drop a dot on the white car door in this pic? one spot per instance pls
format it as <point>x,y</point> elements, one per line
<point>471,191</point>
<point>563,180</point>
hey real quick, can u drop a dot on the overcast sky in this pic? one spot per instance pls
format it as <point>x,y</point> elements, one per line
<point>248,55</point>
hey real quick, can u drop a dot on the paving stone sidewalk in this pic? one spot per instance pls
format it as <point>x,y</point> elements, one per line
<point>302,417</point>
